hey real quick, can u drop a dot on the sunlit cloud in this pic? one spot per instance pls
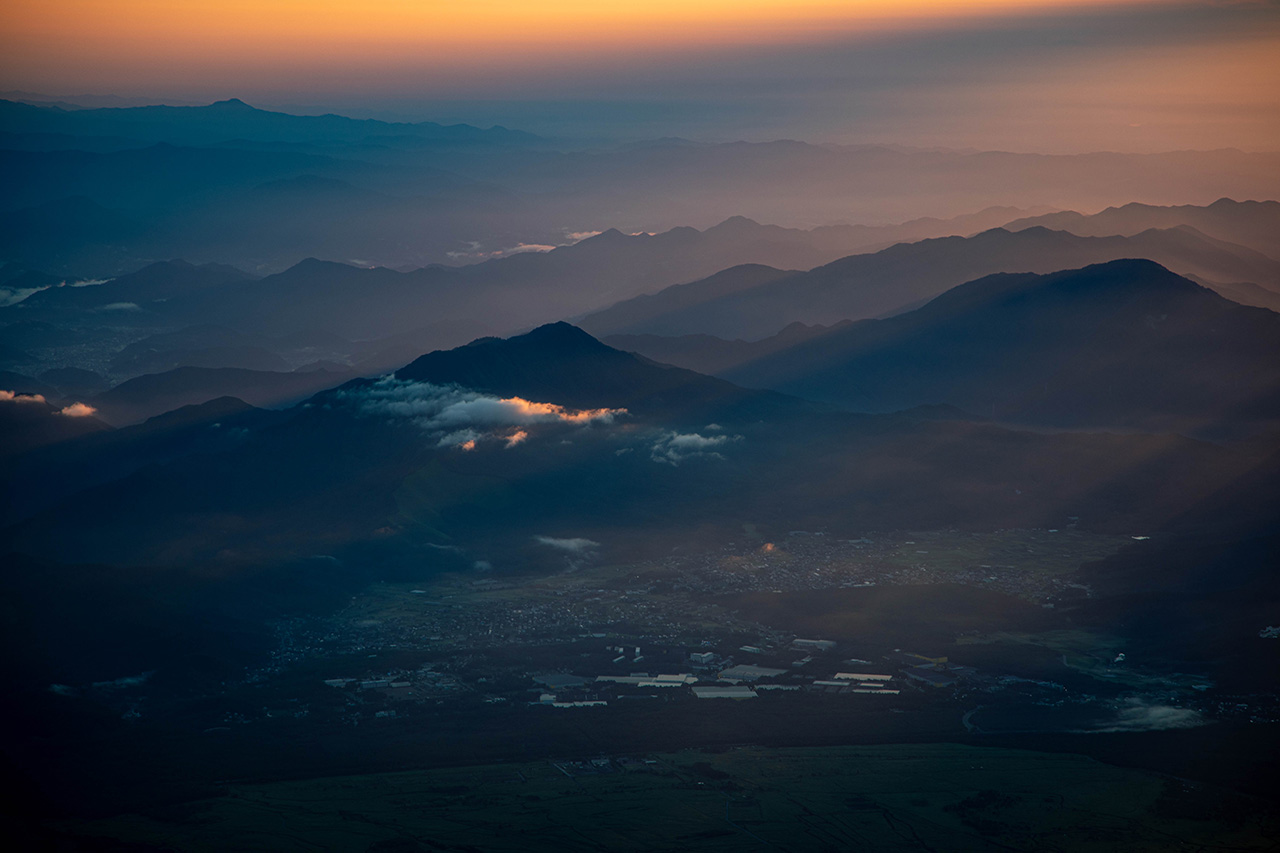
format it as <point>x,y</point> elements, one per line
<point>78,410</point>
<point>458,417</point>
<point>12,397</point>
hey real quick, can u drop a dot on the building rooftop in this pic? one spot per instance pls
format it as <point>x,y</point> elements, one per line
<point>735,692</point>
<point>750,672</point>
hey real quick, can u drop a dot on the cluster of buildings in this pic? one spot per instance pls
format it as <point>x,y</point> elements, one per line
<point>722,678</point>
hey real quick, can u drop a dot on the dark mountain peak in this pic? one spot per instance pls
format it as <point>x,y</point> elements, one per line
<point>494,364</point>
<point>232,104</point>
<point>562,336</point>
<point>179,270</point>
<point>559,363</point>
<point>311,266</point>
<point>226,406</point>
<point>735,225</point>
<point>1129,272</point>
<point>1122,343</point>
<point>1101,286</point>
<point>1033,232</point>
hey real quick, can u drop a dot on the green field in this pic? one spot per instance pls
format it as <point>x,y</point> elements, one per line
<point>1043,552</point>
<point>1093,654</point>
<point>884,798</point>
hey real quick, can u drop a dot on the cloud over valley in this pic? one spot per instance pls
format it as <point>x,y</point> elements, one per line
<point>458,417</point>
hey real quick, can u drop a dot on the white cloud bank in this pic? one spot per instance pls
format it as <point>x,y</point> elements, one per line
<point>573,546</point>
<point>672,448</point>
<point>1139,715</point>
<point>461,418</point>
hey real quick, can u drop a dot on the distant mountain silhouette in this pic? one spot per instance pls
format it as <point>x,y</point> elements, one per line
<point>234,119</point>
<point>153,394</point>
<point>756,303</point>
<point>262,190</point>
<point>1255,224</point>
<point>198,346</point>
<point>375,491</point>
<point>72,232</point>
<point>562,364</point>
<point>20,383</point>
<point>1125,343</point>
<point>73,381</point>
<point>712,355</point>
<point>29,423</point>
<point>98,455</point>
<point>494,296</point>
<point>156,283</point>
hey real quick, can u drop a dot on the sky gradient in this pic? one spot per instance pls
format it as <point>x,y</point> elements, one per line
<point>1022,74</point>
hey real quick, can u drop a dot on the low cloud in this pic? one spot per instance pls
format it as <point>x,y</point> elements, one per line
<point>518,249</point>
<point>521,248</point>
<point>78,410</point>
<point>1139,715</point>
<point>14,295</point>
<point>461,418</point>
<point>120,306</point>
<point>573,546</point>
<point>672,448</point>
<point>13,397</point>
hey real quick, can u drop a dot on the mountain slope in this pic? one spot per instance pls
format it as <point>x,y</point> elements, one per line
<point>233,119</point>
<point>377,476</point>
<point>1255,224</point>
<point>1126,343</point>
<point>153,394</point>
<point>906,275</point>
<point>155,283</point>
<point>565,365</point>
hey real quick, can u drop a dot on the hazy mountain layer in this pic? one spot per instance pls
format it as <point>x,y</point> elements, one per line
<point>753,303</point>
<point>1255,224</point>
<point>263,190</point>
<point>556,434</point>
<point>153,394</point>
<point>1126,343</point>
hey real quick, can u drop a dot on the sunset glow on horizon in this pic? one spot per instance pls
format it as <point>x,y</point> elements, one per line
<point>555,22</point>
<point>108,39</point>
<point>1044,74</point>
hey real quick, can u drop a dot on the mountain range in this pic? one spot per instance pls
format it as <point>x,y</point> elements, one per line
<point>260,190</point>
<point>553,433</point>
<point>1255,224</point>
<point>1121,344</point>
<point>753,302</point>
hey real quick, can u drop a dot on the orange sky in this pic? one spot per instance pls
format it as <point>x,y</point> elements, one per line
<point>1050,73</point>
<point>120,28</point>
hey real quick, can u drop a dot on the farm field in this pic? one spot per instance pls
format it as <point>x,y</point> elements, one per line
<point>895,797</point>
